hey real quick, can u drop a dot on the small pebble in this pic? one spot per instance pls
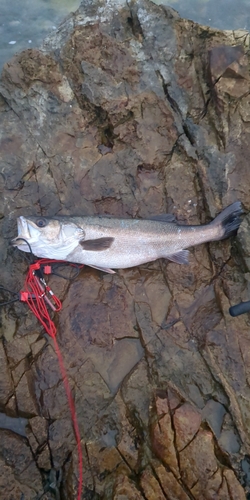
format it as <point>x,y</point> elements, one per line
<point>12,42</point>
<point>29,41</point>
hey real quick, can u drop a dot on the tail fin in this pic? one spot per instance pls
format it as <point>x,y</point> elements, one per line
<point>228,221</point>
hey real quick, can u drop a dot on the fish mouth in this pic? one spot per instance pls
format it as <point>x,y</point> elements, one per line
<point>23,234</point>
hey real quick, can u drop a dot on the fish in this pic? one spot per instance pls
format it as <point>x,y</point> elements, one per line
<point>108,243</point>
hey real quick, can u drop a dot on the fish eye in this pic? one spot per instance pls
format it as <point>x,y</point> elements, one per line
<point>41,222</point>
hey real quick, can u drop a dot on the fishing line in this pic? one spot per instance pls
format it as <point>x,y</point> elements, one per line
<point>30,250</point>
<point>7,302</point>
<point>38,296</point>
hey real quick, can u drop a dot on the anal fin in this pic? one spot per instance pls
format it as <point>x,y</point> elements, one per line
<point>180,257</point>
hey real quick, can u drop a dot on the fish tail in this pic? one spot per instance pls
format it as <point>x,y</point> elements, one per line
<point>228,221</point>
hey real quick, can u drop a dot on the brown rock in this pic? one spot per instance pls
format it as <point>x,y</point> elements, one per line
<point>172,488</point>
<point>61,441</point>
<point>186,423</point>
<point>39,428</point>
<point>104,461</point>
<point>151,487</point>
<point>235,490</point>
<point>43,459</point>
<point>129,110</point>
<point>163,437</point>
<point>6,387</point>
<point>124,488</point>
<point>26,402</point>
<point>21,474</point>
<point>198,462</point>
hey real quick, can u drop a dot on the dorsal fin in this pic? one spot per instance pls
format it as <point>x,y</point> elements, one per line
<point>162,218</point>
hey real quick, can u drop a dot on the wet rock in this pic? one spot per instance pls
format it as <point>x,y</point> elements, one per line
<point>17,425</point>
<point>213,413</point>
<point>129,110</point>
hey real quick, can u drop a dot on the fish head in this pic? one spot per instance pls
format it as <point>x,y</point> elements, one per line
<point>47,236</point>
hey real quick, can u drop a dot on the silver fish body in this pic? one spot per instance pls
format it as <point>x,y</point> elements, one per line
<point>107,242</point>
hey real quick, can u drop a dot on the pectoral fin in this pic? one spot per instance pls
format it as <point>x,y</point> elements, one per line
<point>97,245</point>
<point>180,257</point>
<point>104,269</point>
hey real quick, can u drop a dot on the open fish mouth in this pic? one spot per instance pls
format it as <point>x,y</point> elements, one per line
<point>23,234</point>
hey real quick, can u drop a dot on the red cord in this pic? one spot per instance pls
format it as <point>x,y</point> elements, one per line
<point>73,415</point>
<point>35,294</point>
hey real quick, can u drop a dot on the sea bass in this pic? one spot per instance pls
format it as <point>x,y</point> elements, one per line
<point>107,242</point>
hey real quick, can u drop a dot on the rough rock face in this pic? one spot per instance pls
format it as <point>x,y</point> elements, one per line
<point>129,110</point>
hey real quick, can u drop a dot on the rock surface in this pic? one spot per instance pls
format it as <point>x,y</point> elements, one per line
<point>129,110</point>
